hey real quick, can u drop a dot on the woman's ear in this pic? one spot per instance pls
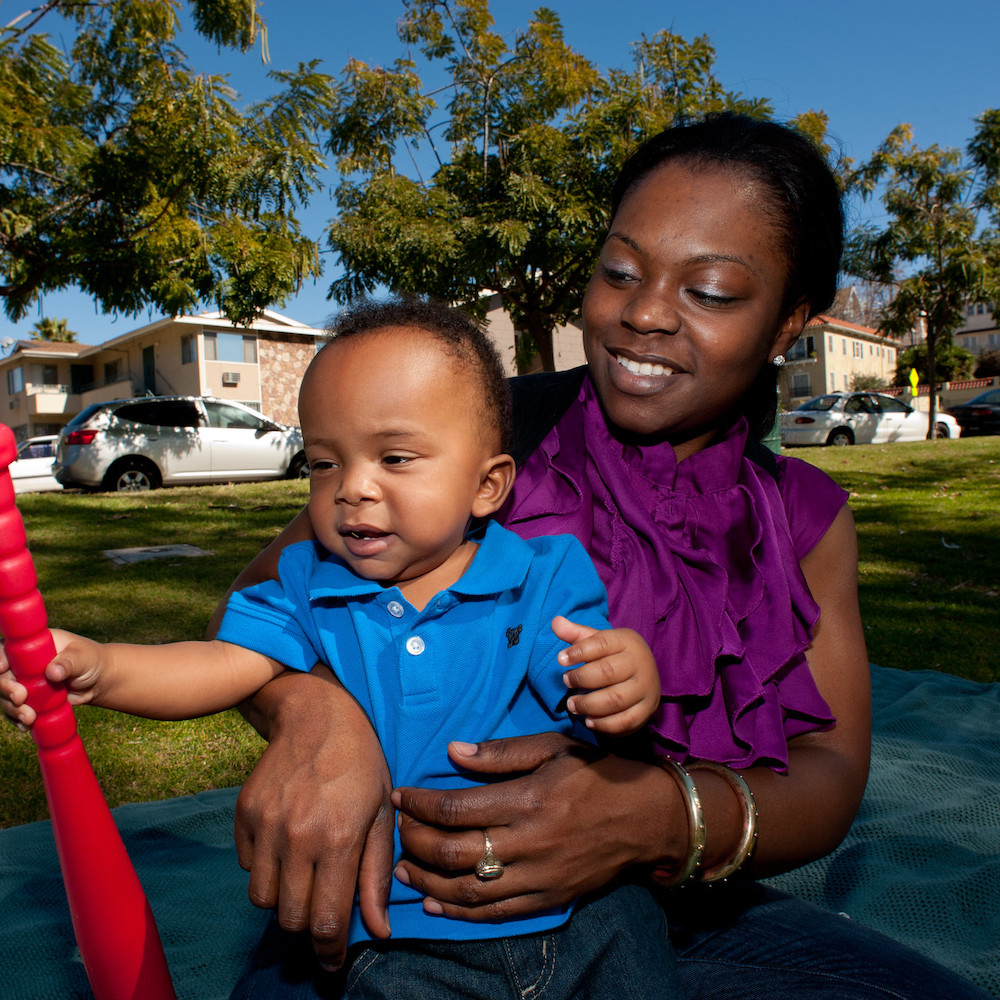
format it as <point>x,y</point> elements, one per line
<point>495,482</point>
<point>790,329</point>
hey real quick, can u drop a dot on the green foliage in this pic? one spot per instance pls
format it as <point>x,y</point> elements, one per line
<point>868,383</point>
<point>508,189</point>
<point>55,330</point>
<point>987,364</point>
<point>934,246</point>
<point>951,363</point>
<point>126,173</point>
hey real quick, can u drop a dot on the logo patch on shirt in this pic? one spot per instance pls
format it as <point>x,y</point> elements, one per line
<point>514,636</point>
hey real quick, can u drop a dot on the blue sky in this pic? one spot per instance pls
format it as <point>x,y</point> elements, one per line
<point>869,64</point>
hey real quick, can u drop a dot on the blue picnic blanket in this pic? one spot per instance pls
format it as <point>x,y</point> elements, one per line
<point>921,862</point>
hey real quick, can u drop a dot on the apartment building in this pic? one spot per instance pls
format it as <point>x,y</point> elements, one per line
<point>43,385</point>
<point>979,333</point>
<point>828,356</point>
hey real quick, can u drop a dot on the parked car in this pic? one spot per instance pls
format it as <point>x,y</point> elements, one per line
<point>842,418</point>
<point>141,444</point>
<point>980,415</point>
<point>31,471</point>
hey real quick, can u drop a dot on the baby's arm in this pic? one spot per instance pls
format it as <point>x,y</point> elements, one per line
<point>618,673</point>
<point>178,680</point>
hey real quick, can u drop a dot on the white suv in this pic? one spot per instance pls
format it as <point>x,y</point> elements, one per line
<point>144,443</point>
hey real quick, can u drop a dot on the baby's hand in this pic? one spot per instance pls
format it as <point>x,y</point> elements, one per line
<point>77,663</point>
<point>618,671</point>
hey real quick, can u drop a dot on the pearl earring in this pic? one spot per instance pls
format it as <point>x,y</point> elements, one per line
<point>778,361</point>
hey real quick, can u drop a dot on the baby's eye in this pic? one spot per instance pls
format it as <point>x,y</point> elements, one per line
<point>321,465</point>
<point>397,459</point>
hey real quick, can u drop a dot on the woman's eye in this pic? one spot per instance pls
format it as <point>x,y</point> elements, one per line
<point>711,298</point>
<point>617,275</point>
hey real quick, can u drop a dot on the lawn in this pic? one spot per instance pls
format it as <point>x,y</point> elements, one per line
<point>926,516</point>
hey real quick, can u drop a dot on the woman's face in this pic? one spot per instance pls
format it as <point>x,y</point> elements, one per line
<point>686,303</point>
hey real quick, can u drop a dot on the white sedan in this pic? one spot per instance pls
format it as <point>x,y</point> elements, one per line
<point>843,418</point>
<point>31,471</point>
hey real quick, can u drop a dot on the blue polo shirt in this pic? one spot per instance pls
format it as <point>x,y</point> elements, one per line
<point>478,663</point>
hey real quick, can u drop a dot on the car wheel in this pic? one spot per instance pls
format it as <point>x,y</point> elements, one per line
<point>840,437</point>
<point>131,475</point>
<point>298,468</point>
<point>941,431</point>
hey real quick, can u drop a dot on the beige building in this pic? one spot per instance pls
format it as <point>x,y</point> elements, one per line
<point>43,385</point>
<point>979,333</point>
<point>828,356</point>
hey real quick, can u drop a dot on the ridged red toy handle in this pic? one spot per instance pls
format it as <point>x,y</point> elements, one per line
<point>112,919</point>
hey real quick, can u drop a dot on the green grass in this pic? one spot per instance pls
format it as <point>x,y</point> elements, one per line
<point>927,528</point>
<point>926,603</point>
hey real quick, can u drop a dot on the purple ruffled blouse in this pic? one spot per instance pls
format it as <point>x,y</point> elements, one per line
<point>700,559</point>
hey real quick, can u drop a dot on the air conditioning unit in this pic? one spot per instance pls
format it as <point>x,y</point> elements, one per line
<point>230,378</point>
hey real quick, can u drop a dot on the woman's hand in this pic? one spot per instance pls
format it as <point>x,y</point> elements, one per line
<point>313,820</point>
<point>570,820</point>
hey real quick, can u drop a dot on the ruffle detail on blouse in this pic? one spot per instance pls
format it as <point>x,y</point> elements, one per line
<point>697,557</point>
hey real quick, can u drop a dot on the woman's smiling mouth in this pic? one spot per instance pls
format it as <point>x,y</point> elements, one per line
<point>642,367</point>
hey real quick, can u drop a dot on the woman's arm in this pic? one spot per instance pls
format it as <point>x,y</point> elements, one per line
<point>577,819</point>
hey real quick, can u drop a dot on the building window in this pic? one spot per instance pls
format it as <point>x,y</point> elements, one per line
<point>232,347</point>
<point>843,345</point>
<point>979,308</point>
<point>112,370</point>
<point>833,382</point>
<point>15,380</point>
<point>188,352</point>
<point>831,344</point>
<point>972,310</point>
<point>846,385</point>
<point>46,375</point>
<point>800,385</point>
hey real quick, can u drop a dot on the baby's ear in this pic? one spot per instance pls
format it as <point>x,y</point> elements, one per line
<point>496,480</point>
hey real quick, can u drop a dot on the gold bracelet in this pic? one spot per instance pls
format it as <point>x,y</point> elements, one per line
<point>665,877</point>
<point>748,807</point>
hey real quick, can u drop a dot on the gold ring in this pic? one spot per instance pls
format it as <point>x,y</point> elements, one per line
<point>489,866</point>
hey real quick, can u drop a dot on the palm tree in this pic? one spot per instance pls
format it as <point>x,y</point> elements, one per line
<point>54,330</point>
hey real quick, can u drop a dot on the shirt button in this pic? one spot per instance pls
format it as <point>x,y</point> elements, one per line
<point>395,609</point>
<point>415,645</point>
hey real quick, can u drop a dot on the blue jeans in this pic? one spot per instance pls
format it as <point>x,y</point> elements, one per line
<point>731,942</point>
<point>614,946</point>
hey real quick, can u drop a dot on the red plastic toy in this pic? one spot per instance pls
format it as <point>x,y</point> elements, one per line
<point>112,919</point>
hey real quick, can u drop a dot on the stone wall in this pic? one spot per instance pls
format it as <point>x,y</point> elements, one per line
<point>282,365</point>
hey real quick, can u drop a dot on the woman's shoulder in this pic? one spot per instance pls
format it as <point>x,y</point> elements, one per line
<point>811,499</point>
<point>538,401</point>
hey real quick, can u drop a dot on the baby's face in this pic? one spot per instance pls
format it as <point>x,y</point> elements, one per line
<point>392,430</point>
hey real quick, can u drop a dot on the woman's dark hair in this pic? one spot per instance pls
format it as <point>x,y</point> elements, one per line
<point>804,208</point>
<point>463,337</point>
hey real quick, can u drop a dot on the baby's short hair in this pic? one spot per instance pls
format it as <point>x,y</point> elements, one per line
<point>461,335</point>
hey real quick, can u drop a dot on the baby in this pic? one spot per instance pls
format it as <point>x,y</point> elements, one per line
<point>442,624</point>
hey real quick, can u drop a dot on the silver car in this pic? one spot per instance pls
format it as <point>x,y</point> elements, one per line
<point>843,418</point>
<point>31,471</point>
<point>144,443</point>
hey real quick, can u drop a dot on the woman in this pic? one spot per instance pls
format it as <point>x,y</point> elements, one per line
<point>738,569</point>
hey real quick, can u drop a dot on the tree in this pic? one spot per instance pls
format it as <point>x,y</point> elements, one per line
<point>934,245</point>
<point>508,192</point>
<point>124,172</point>
<point>56,330</point>
<point>951,363</point>
<point>987,365</point>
